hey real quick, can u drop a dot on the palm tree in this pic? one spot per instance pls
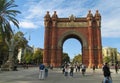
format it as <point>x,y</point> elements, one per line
<point>7,16</point>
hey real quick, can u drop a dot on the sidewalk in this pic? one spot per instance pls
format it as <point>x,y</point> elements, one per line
<point>30,75</point>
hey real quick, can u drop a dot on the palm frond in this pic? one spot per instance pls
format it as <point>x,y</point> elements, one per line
<point>7,14</point>
<point>9,4</point>
<point>12,12</point>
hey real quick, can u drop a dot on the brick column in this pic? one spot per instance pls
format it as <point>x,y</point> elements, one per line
<point>46,47</point>
<point>100,58</point>
<point>46,55</point>
<point>54,39</point>
<point>85,58</point>
<point>53,46</point>
<point>90,38</point>
<point>99,47</point>
<point>59,57</point>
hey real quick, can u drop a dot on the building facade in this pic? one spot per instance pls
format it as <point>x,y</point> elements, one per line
<point>111,53</point>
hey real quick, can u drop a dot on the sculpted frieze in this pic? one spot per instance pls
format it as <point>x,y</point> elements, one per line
<point>72,24</point>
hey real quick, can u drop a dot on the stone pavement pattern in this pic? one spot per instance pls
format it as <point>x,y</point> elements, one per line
<point>55,76</point>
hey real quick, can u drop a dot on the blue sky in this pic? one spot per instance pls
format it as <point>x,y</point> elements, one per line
<point>32,20</point>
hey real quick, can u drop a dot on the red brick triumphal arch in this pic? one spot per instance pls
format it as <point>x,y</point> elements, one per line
<point>86,29</point>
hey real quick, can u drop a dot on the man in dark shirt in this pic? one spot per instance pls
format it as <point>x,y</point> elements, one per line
<point>107,74</point>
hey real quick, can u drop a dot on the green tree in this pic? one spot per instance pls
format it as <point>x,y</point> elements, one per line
<point>22,42</point>
<point>77,58</point>
<point>27,57</point>
<point>65,58</point>
<point>37,57</point>
<point>106,59</point>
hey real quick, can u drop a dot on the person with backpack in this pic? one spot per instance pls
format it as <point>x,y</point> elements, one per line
<point>83,69</point>
<point>71,70</point>
<point>107,74</point>
<point>42,71</point>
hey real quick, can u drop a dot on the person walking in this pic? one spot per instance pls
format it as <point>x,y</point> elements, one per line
<point>116,68</point>
<point>79,68</point>
<point>76,68</point>
<point>63,70</point>
<point>66,70</point>
<point>71,70</point>
<point>83,69</point>
<point>93,68</point>
<point>107,74</point>
<point>46,72</point>
<point>41,71</point>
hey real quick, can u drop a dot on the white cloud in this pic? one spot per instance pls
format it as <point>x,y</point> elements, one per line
<point>27,24</point>
<point>109,9</point>
<point>110,26</point>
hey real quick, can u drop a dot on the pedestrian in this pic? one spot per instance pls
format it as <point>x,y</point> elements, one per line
<point>102,67</point>
<point>76,68</point>
<point>63,70</point>
<point>116,68</point>
<point>41,71</point>
<point>83,69</point>
<point>107,74</point>
<point>71,70</point>
<point>79,68</point>
<point>46,72</point>
<point>51,67</point>
<point>93,68</point>
<point>66,70</point>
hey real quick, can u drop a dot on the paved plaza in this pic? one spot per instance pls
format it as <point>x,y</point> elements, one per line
<point>30,75</point>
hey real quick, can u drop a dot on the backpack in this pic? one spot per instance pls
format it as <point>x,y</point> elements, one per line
<point>42,67</point>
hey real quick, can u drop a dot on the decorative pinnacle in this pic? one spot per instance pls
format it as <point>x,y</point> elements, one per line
<point>54,12</point>
<point>47,12</point>
<point>97,12</point>
<point>89,11</point>
<point>89,14</point>
<point>54,15</point>
<point>47,16</point>
<point>97,15</point>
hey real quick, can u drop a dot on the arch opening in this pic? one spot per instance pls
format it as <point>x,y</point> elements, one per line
<point>72,47</point>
